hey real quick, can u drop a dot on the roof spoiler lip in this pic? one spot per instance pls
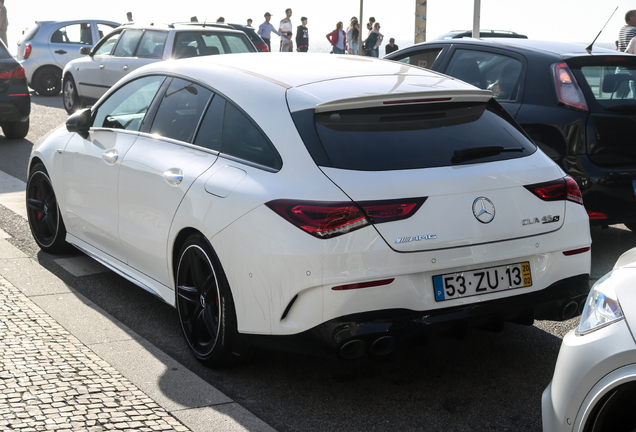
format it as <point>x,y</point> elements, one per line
<point>371,101</point>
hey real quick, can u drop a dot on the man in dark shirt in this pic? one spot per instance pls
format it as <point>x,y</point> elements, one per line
<point>391,46</point>
<point>302,36</point>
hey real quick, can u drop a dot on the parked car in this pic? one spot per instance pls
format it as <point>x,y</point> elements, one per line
<point>594,383</point>
<point>15,102</point>
<point>129,47</point>
<point>579,107</point>
<point>258,42</point>
<point>321,205</point>
<point>47,46</point>
<point>483,33</point>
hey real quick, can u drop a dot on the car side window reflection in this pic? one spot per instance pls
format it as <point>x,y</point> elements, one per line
<point>128,43</point>
<point>211,131</point>
<point>488,71</point>
<point>73,34</point>
<point>127,107</point>
<point>180,111</point>
<point>106,46</point>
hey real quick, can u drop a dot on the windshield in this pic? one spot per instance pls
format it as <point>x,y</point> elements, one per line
<point>612,86</point>
<point>415,136</point>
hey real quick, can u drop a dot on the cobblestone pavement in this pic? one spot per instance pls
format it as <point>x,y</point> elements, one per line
<point>50,381</point>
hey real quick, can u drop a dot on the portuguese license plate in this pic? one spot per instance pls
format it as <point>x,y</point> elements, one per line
<point>476,282</point>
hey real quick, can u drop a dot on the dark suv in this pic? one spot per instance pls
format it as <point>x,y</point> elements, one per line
<point>579,107</point>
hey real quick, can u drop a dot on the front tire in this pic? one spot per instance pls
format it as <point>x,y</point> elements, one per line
<point>43,213</point>
<point>17,130</point>
<point>47,81</point>
<point>69,95</point>
<point>205,306</point>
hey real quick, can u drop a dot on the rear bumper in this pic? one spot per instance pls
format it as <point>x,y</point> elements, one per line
<point>375,331</point>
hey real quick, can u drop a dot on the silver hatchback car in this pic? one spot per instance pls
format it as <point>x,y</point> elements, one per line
<point>47,46</point>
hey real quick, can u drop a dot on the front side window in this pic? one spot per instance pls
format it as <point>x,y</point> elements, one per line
<point>423,59</point>
<point>127,107</point>
<point>128,43</point>
<point>180,111</point>
<point>73,34</point>
<point>489,71</point>
<point>106,46</point>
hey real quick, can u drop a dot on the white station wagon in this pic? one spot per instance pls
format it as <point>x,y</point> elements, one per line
<point>321,203</point>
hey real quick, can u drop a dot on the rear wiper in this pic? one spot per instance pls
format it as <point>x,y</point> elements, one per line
<point>481,152</point>
<point>625,107</point>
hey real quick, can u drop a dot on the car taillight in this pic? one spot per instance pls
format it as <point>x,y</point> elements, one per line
<point>564,188</point>
<point>568,91</point>
<point>27,51</point>
<point>261,47</point>
<point>18,72</point>
<point>330,219</point>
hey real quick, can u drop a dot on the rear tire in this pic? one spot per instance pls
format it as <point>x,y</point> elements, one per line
<point>17,130</point>
<point>69,95</point>
<point>206,307</point>
<point>47,81</point>
<point>43,213</point>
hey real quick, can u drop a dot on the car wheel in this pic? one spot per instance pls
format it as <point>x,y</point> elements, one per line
<point>43,213</point>
<point>48,81</point>
<point>69,95</point>
<point>205,306</point>
<point>17,130</point>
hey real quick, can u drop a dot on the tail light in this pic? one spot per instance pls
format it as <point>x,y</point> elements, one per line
<point>596,215</point>
<point>330,219</point>
<point>261,47</point>
<point>27,51</point>
<point>560,189</point>
<point>568,91</point>
<point>18,72</point>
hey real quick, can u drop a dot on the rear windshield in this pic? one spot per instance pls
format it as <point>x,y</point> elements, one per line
<point>30,33</point>
<point>611,83</point>
<point>414,136</point>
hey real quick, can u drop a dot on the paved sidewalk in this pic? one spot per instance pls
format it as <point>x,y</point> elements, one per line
<point>49,380</point>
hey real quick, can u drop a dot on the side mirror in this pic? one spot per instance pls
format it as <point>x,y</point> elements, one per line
<point>79,122</point>
<point>85,50</point>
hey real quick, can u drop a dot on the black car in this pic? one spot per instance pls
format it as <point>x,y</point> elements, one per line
<point>258,42</point>
<point>578,106</point>
<point>15,102</point>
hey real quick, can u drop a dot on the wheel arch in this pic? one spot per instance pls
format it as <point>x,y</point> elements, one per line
<point>177,244</point>
<point>47,66</point>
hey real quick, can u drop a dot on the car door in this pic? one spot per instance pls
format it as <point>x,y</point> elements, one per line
<point>155,175</point>
<point>501,71</point>
<point>125,58</point>
<point>92,164</point>
<point>89,71</point>
<point>67,40</point>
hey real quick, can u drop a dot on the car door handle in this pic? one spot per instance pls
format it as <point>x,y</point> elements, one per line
<point>126,67</point>
<point>101,66</point>
<point>174,176</point>
<point>111,156</point>
<point>60,52</point>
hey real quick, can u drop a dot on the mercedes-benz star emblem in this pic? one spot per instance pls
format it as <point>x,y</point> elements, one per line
<point>484,210</point>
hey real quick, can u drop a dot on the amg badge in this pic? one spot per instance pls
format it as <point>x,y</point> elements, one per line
<point>416,238</point>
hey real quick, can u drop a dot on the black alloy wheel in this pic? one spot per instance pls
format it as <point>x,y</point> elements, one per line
<point>47,81</point>
<point>205,306</point>
<point>43,213</point>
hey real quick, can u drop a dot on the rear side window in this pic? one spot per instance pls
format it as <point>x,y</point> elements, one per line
<point>416,136</point>
<point>151,44</point>
<point>424,59</point>
<point>486,70</point>
<point>180,111</point>
<point>73,34</point>
<point>194,44</point>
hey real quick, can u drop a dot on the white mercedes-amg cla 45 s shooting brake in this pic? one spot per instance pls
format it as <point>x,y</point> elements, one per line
<point>319,203</point>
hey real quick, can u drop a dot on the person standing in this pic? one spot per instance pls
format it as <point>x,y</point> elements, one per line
<point>4,23</point>
<point>302,36</point>
<point>249,22</point>
<point>374,41</point>
<point>370,24</point>
<point>265,30</point>
<point>391,46</point>
<point>353,36</point>
<point>129,16</point>
<point>338,39</point>
<point>628,31</point>
<point>285,28</point>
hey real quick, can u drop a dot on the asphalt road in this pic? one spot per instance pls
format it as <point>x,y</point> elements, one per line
<point>480,382</point>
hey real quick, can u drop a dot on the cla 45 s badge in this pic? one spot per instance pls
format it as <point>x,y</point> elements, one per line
<point>543,220</point>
